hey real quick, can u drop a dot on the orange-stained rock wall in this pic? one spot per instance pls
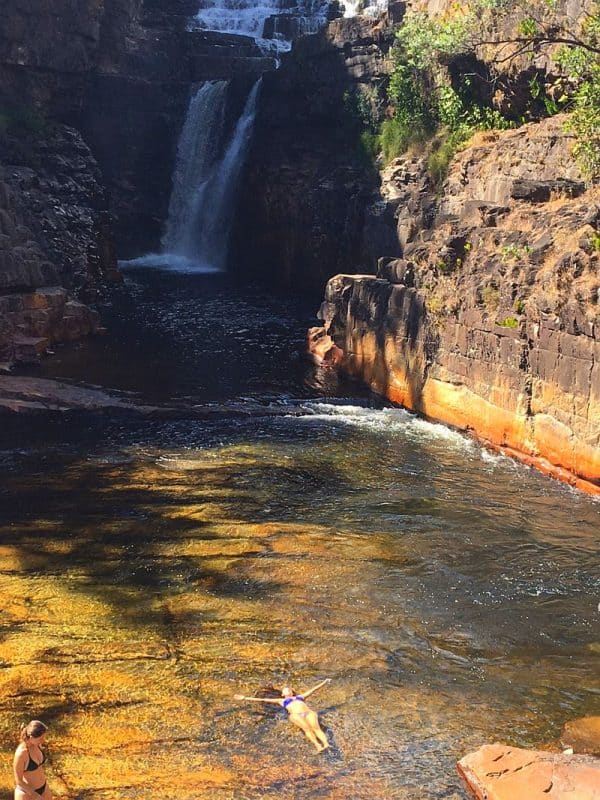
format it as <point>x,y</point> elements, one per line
<point>532,391</point>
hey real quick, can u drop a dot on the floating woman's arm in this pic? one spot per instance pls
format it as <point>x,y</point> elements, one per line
<point>258,699</point>
<point>314,688</point>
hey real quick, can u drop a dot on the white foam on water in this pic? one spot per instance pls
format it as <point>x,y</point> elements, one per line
<point>370,8</point>
<point>248,18</point>
<point>386,420</point>
<point>169,262</point>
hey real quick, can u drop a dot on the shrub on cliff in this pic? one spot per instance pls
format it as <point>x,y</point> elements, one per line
<point>504,34</point>
<point>425,103</point>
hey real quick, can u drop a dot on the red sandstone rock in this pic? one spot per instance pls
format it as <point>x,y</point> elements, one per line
<point>502,772</point>
<point>323,349</point>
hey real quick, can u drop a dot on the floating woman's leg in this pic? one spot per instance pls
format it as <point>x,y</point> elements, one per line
<point>306,727</point>
<point>313,720</point>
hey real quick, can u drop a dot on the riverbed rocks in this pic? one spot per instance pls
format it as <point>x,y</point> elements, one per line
<point>490,320</point>
<point>502,772</point>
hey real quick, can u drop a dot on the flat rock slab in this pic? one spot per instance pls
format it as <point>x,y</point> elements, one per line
<point>31,394</point>
<point>501,772</point>
<point>25,395</point>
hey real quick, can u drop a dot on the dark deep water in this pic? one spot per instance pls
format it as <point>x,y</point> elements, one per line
<point>150,569</point>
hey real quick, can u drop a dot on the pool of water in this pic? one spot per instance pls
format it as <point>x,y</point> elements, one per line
<point>150,569</point>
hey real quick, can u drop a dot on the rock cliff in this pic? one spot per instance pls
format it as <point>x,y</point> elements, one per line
<point>56,246</point>
<point>310,203</point>
<point>490,320</point>
<point>92,98</point>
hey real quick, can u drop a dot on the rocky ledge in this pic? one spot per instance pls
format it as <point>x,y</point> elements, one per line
<point>490,319</point>
<point>501,772</point>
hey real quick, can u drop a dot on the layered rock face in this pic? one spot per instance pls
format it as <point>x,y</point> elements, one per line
<point>55,242</point>
<point>310,204</point>
<point>490,321</point>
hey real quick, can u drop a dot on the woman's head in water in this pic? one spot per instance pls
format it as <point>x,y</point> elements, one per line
<point>33,730</point>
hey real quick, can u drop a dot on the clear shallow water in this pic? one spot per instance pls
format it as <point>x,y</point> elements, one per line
<point>150,569</point>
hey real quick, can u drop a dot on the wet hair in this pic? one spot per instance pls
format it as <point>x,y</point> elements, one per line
<point>268,691</point>
<point>33,730</point>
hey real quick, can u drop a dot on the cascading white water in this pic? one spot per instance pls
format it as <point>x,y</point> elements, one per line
<point>367,8</point>
<point>196,154</point>
<point>215,197</point>
<point>248,18</point>
<point>245,17</point>
<point>204,190</point>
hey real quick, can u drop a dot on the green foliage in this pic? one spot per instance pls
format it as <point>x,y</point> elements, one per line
<point>423,104</point>
<point>535,89</point>
<point>427,42</point>
<point>370,147</point>
<point>491,297</point>
<point>395,138</point>
<point>515,252</point>
<point>362,114</point>
<point>360,110</point>
<point>575,61</point>
<point>509,322</point>
<point>528,28</point>
<point>424,39</point>
<point>538,92</point>
<point>441,156</point>
<point>519,306</point>
<point>413,119</point>
<point>409,93</point>
<point>585,123</point>
<point>595,241</point>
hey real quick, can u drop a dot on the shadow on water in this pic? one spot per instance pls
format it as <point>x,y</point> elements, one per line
<point>150,569</point>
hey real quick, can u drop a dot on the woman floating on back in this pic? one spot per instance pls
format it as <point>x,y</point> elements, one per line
<point>299,713</point>
<point>30,778</point>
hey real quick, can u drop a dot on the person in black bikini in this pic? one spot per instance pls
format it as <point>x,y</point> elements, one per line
<point>299,713</point>
<point>30,778</point>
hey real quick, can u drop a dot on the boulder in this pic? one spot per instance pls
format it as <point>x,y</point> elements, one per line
<point>502,772</point>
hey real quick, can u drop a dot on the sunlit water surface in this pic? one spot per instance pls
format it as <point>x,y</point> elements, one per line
<point>150,569</point>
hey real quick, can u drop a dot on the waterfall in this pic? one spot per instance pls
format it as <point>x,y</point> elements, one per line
<point>214,201</point>
<point>272,23</point>
<point>367,8</point>
<point>205,185</point>
<point>196,154</point>
<point>245,17</point>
